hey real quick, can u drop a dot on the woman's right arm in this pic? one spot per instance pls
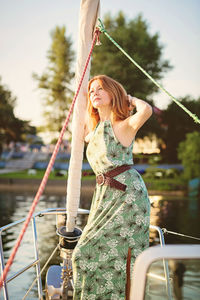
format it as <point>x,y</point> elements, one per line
<point>143,113</point>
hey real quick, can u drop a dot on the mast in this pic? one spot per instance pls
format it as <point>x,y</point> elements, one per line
<point>89,13</point>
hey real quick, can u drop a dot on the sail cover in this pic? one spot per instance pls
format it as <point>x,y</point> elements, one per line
<point>89,13</point>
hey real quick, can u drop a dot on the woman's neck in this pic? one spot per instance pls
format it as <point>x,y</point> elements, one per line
<point>105,114</point>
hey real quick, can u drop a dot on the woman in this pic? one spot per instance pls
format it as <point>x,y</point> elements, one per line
<point>118,224</point>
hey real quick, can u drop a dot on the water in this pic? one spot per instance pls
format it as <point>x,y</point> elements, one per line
<point>174,213</point>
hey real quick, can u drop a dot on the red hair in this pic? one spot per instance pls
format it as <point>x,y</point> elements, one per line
<point>119,102</point>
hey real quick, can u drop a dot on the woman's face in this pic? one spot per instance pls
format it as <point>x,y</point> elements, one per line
<point>98,96</point>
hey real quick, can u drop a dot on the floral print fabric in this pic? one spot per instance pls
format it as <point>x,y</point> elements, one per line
<point>118,220</point>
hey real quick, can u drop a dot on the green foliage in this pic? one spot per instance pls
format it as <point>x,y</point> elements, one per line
<point>189,154</point>
<point>134,38</point>
<point>11,128</point>
<point>26,175</point>
<point>177,124</point>
<point>154,159</point>
<point>154,172</point>
<point>55,80</point>
<point>39,174</point>
<point>163,184</point>
<point>159,179</point>
<point>166,184</point>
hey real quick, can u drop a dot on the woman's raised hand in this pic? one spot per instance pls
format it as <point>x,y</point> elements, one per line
<point>131,101</point>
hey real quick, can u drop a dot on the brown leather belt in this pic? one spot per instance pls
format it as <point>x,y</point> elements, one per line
<point>107,178</point>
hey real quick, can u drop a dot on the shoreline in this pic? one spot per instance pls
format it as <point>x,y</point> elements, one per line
<point>60,187</point>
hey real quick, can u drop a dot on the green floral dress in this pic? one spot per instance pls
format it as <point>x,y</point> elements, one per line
<point>118,220</point>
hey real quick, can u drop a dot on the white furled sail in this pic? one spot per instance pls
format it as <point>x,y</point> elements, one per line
<point>89,13</point>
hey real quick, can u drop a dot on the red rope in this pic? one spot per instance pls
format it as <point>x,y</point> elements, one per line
<point>48,170</point>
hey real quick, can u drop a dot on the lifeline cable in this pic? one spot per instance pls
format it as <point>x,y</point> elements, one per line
<point>180,234</point>
<point>48,170</point>
<point>44,267</point>
<point>102,29</point>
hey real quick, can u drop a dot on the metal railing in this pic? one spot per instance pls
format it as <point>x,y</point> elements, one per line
<point>36,261</point>
<point>165,263</point>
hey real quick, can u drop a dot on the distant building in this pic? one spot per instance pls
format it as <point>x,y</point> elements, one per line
<point>147,145</point>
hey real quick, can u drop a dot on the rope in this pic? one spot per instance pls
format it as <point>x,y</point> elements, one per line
<point>102,29</point>
<point>180,234</point>
<point>48,170</point>
<point>44,267</point>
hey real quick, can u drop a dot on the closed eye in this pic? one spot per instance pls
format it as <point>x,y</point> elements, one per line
<point>98,88</point>
<point>90,92</point>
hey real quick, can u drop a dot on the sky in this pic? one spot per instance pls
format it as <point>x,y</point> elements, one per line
<point>25,28</point>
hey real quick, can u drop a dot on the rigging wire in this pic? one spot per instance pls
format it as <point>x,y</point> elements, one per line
<point>192,115</point>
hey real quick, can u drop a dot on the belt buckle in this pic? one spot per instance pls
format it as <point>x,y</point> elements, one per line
<point>103,178</point>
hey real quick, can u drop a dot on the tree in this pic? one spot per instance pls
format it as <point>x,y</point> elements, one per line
<point>11,128</point>
<point>134,38</point>
<point>177,125</point>
<point>55,80</point>
<point>189,154</point>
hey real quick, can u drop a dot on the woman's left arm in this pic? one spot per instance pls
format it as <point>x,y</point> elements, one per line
<point>143,113</point>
